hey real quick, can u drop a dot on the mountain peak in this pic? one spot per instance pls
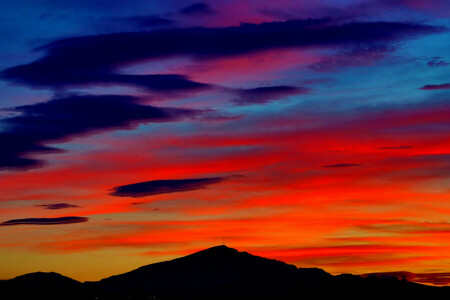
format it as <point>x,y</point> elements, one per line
<point>216,250</point>
<point>48,277</point>
<point>215,255</point>
<point>220,248</point>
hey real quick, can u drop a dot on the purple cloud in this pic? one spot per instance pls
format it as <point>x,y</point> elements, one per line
<point>45,221</point>
<point>444,86</point>
<point>437,62</point>
<point>196,9</point>
<point>58,206</point>
<point>95,59</point>
<point>155,187</point>
<point>393,148</point>
<point>342,165</point>
<point>64,118</point>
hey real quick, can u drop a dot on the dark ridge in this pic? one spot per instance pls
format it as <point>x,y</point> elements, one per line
<point>41,285</point>
<point>45,277</point>
<point>219,273</point>
<point>208,265</point>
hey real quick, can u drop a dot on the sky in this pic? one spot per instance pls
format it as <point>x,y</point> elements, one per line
<point>313,132</point>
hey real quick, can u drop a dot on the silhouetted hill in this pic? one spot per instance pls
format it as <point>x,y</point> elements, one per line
<point>221,273</point>
<point>41,285</point>
<point>209,271</point>
<point>42,279</point>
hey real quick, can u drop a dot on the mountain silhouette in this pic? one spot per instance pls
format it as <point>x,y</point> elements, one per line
<point>40,285</point>
<point>218,273</point>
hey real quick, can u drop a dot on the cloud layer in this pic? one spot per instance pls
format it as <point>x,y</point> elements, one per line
<point>94,59</point>
<point>60,119</point>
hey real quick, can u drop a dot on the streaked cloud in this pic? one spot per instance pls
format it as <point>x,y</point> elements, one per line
<point>45,221</point>
<point>58,206</point>
<point>64,118</point>
<point>341,165</point>
<point>155,187</point>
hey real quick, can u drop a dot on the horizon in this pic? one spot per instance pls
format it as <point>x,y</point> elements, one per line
<point>311,132</point>
<point>432,279</point>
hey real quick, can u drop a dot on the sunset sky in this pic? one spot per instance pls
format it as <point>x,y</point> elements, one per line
<point>316,132</point>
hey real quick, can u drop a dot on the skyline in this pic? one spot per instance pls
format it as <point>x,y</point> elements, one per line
<point>312,132</point>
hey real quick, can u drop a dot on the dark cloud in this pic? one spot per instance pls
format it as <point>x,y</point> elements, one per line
<point>47,74</point>
<point>211,115</point>
<point>95,59</point>
<point>343,150</point>
<point>362,55</point>
<point>144,22</point>
<point>266,94</point>
<point>444,86</point>
<point>155,187</point>
<point>393,148</point>
<point>61,119</point>
<point>437,62</point>
<point>343,165</point>
<point>57,206</point>
<point>45,221</point>
<point>199,8</point>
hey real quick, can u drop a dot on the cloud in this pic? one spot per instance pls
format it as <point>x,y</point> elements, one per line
<point>45,221</point>
<point>343,165</point>
<point>155,187</point>
<point>199,8</point>
<point>409,228</point>
<point>266,94</point>
<point>47,74</point>
<point>437,62</point>
<point>57,206</point>
<point>444,86</point>
<point>362,55</point>
<point>144,22</point>
<point>211,115</point>
<point>60,119</point>
<point>433,278</point>
<point>95,59</point>
<point>393,148</point>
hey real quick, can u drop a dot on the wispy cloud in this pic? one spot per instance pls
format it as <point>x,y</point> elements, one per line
<point>155,187</point>
<point>45,221</point>
<point>57,206</point>
<point>341,165</point>
<point>64,118</point>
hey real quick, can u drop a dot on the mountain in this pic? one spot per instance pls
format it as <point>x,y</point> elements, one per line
<point>41,285</point>
<point>218,273</point>
<point>209,271</point>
